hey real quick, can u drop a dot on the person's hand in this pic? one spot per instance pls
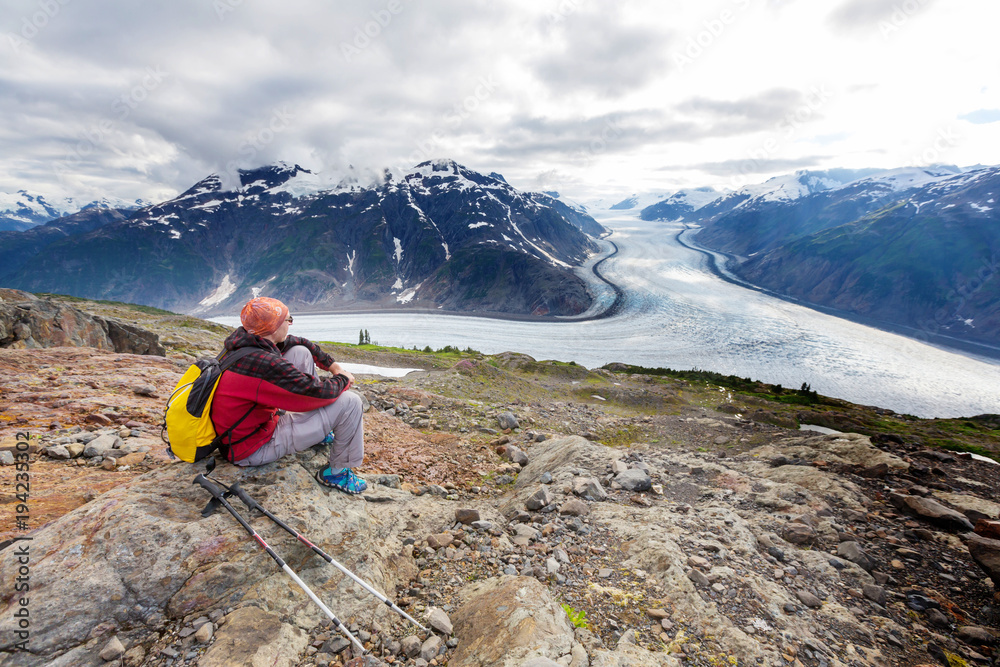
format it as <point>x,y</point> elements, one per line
<point>336,369</point>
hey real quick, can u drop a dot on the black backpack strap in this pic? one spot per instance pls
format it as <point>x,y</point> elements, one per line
<point>227,359</point>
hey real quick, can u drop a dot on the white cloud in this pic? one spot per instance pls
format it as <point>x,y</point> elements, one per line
<point>144,99</point>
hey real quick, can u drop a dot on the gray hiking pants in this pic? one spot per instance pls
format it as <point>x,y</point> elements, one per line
<point>298,431</point>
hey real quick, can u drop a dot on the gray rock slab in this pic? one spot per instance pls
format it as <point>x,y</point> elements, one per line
<point>932,510</point>
<point>590,488</point>
<point>574,507</point>
<point>430,648</point>
<point>986,553</point>
<point>410,646</point>
<point>53,452</point>
<point>439,620</point>
<point>540,498</point>
<point>200,564</point>
<point>634,480</point>
<point>853,552</point>
<point>507,420</point>
<point>101,445</point>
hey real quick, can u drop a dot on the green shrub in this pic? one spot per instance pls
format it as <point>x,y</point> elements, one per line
<point>577,618</point>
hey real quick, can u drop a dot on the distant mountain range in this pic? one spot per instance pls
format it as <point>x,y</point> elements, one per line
<point>442,236</point>
<point>23,210</point>
<point>917,247</point>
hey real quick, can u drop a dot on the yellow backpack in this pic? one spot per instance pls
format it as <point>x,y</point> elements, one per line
<point>187,421</point>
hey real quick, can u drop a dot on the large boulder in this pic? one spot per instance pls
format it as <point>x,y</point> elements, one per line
<point>143,551</point>
<point>252,636</point>
<point>565,459</point>
<point>129,338</point>
<point>504,621</point>
<point>847,448</point>
<point>29,322</point>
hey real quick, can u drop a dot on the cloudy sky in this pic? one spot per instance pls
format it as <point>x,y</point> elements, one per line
<point>142,99</point>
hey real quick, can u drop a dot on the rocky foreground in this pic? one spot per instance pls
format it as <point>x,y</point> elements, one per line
<point>536,513</point>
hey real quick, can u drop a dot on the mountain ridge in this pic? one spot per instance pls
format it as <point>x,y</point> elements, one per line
<point>915,247</point>
<point>926,261</point>
<point>24,210</point>
<point>414,241</point>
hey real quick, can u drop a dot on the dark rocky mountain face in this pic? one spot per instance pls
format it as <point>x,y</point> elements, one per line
<point>925,257</point>
<point>441,236</point>
<point>742,224</point>
<point>19,248</point>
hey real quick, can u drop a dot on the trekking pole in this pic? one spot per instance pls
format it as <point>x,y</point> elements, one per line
<point>254,505</point>
<point>219,495</point>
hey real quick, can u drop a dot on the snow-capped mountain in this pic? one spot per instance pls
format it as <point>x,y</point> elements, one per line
<point>23,210</point>
<point>760,217</point>
<point>905,178</point>
<point>912,247</point>
<point>800,184</point>
<point>680,204</point>
<point>638,201</point>
<point>439,236</point>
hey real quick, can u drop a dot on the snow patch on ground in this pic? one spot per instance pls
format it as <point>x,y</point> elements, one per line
<point>211,203</point>
<point>408,295</point>
<point>365,369</point>
<point>980,457</point>
<point>477,225</point>
<point>221,293</point>
<point>399,249</point>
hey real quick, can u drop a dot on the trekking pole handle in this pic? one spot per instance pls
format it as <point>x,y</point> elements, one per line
<point>208,486</point>
<point>242,495</point>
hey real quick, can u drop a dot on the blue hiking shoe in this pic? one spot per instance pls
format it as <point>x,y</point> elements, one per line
<point>345,480</point>
<point>327,439</point>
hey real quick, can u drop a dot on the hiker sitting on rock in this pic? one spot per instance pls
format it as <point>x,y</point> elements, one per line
<point>282,376</point>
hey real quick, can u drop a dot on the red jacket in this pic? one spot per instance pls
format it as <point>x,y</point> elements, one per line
<point>267,381</point>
